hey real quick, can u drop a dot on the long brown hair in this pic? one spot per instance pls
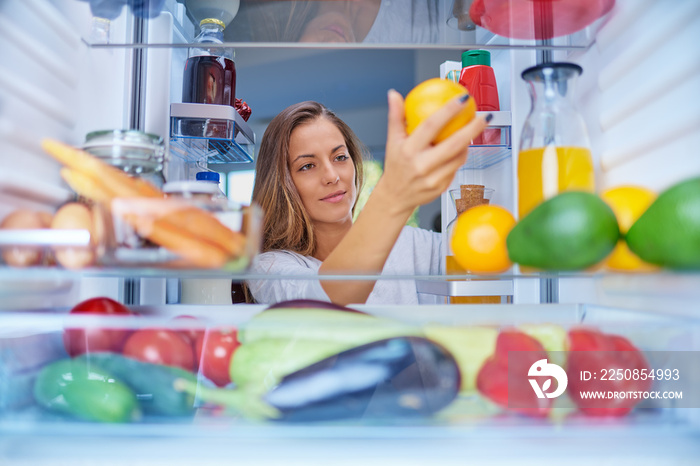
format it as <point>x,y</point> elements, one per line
<point>286,224</point>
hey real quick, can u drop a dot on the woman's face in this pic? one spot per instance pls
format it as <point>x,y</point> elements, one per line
<point>322,171</point>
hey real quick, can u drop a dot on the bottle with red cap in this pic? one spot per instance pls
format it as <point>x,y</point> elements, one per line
<point>478,77</point>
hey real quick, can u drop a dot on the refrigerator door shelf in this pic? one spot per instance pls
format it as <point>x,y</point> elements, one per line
<point>485,156</point>
<point>466,287</point>
<point>211,133</point>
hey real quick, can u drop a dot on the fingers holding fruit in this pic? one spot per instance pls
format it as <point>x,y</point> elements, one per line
<point>437,108</point>
<point>427,140</point>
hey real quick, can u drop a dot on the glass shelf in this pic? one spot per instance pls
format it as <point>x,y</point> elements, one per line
<point>429,24</point>
<point>681,283</point>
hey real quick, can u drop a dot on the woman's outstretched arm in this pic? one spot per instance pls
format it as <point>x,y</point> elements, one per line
<point>415,173</point>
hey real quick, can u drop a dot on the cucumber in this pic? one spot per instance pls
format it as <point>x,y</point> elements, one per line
<point>152,383</point>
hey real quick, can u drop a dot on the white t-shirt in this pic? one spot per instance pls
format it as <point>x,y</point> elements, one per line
<point>406,22</point>
<point>416,252</point>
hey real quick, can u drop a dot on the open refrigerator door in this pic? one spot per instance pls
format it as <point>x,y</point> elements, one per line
<point>111,361</point>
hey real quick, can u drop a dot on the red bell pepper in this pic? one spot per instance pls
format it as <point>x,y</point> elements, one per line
<point>606,364</point>
<point>516,351</point>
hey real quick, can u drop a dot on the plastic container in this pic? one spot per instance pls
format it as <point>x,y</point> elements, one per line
<point>537,19</point>
<point>197,191</point>
<point>554,153</point>
<point>478,77</point>
<point>32,342</point>
<point>181,230</point>
<point>137,153</point>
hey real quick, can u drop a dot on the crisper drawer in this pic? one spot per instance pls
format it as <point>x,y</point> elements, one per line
<point>388,382</point>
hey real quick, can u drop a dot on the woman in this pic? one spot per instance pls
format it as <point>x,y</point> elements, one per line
<point>308,175</point>
<point>337,21</point>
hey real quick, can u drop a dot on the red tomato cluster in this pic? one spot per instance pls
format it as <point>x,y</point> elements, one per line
<point>591,350</point>
<point>190,349</point>
<point>492,380</point>
<point>588,350</point>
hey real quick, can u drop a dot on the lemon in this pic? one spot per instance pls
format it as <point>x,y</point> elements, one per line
<point>479,239</point>
<point>628,202</point>
<point>427,97</point>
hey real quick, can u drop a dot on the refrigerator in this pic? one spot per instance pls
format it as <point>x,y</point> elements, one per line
<point>69,68</point>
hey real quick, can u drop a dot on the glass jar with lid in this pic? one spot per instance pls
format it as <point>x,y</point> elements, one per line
<point>138,153</point>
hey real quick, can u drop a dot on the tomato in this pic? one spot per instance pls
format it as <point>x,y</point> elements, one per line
<point>606,356</point>
<point>214,350</point>
<point>160,346</point>
<point>81,340</point>
<point>520,351</point>
<point>192,334</point>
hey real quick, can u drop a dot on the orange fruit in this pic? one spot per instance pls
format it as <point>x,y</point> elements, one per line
<point>628,202</point>
<point>479,239</point>
<point>427,97</point>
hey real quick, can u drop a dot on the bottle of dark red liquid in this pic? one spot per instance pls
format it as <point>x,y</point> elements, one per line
<point>210,74</point>
<point>478,77</point>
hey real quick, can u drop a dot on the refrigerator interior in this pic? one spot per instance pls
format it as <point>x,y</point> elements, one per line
<point>64,73</point>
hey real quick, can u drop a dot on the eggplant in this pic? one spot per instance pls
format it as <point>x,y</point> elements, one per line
<point>311,304</point>
<point>395,377</point>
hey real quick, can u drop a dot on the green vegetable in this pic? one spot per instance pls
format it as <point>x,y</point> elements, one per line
<point>261,364</point>
<point>315,324</point>
<point>152,383</point>
<point>668,233</point>
<point>86,392</point>
<point>570,231</point>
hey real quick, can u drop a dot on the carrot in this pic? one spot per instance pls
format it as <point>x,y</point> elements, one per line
<point>200,253</point>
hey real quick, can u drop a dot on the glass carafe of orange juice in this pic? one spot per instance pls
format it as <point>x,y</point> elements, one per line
<point>554,153</point>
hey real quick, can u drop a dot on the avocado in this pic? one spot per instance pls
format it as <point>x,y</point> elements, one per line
<point>668,232</point>
<point>570,231</point>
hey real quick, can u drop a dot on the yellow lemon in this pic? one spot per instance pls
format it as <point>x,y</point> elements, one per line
<point>427,97</point>
<point>628,202</point>
<point>479,239</point>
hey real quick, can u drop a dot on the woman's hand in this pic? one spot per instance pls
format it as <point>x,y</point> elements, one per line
<point>415,170</point>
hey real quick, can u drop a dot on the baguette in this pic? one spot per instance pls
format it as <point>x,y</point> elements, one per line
<point>198,252</point>
<point>114,181</point>
<point>86,186</point>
